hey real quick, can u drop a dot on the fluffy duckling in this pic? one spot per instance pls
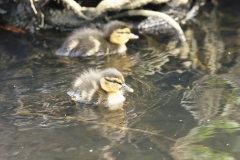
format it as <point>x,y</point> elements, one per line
<point>88,42</point>
<point>104,87</point>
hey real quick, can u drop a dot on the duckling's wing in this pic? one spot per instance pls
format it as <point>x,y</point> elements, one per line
<point>82,42</point>
<point>64,51</point>
<point>76,96</point>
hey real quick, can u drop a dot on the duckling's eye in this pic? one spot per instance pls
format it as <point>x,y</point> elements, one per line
<point>114,81</point>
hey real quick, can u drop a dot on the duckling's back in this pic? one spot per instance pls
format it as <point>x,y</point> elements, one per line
<point>86,42</point>
<point>86,88</point>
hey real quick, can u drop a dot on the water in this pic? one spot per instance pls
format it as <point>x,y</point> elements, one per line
<point>185,104</point>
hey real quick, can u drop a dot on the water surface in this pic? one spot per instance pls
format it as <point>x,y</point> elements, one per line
<point>185,104</point>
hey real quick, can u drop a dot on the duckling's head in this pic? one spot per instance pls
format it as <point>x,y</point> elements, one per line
<point>118,32</point>
<point>112,81</point>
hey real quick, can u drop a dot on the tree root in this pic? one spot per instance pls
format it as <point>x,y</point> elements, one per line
<point>76,8</point>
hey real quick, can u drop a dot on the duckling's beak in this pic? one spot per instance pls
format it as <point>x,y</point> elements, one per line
<point>127,88</point>
<point>133,36</point>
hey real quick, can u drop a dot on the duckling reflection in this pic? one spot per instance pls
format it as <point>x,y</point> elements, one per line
<point>107,125</point>
<point>117,62</point>
<point>88,42</point>
<point>113,122</point>
<point>101,87</point>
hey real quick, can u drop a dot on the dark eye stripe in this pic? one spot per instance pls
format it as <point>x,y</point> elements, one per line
<point>113,81</point>
<point>123,32</point>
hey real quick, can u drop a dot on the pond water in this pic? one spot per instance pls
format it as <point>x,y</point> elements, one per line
<point>185,103</point>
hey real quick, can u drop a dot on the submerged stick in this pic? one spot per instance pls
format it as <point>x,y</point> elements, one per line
<point>121,128</point>
<point>26,112</point>
<point>161,15</point>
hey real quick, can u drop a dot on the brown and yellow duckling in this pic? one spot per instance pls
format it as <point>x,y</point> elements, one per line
<point>88,42</point>
<point>100,87</point>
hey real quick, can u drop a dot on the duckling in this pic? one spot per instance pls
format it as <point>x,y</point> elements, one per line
<point>88,42</point>
<point>98,87</point>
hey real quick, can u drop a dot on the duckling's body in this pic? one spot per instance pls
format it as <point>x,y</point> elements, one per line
<point>88,42</point>
<point>104,87</point>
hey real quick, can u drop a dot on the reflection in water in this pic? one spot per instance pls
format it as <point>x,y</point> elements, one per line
<point>197,144</point>
<point>110,125</point>
<point>210,101</point>
<point>213,45</point>
<point>204,100</point>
